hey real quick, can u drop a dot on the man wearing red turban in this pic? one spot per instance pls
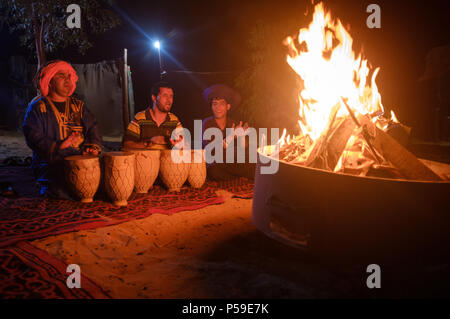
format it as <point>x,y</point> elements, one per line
<point>58,125</point>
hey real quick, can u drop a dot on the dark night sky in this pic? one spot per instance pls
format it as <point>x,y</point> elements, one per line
<point>212,35</point>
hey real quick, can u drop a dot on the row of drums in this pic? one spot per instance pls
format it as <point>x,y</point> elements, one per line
<point>132,169</point>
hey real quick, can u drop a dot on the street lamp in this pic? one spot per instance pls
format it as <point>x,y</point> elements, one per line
<point>157,45</point>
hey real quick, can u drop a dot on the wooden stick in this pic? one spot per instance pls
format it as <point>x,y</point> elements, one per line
<point>338,140</point>
<point>314,155</point>
<point>365,133</point>
<point>408,164</point>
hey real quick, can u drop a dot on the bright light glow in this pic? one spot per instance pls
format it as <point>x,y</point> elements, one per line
<point>330,71</point>
<point>157,44</point>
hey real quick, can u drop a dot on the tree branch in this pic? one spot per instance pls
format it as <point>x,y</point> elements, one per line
<point>38,37</point>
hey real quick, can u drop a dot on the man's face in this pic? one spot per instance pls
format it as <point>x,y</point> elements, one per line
<point>61,84</point>
<point>220,108</point>
<point>164,99</point>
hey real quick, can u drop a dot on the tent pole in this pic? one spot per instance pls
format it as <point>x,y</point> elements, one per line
<point>125,105</point>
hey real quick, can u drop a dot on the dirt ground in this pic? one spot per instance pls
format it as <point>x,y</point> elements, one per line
<point>216,252</point>
<point>213,252</point>
<point>12,143</point>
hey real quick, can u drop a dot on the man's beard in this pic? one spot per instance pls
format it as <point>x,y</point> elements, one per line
<point>163,108</point>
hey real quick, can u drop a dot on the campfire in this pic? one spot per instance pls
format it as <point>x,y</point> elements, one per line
<point>346,186</point>
<point>343,124</point>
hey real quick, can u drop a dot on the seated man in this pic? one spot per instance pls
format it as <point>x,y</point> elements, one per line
<point>152,128</point>
<point>221,99</point>
<point>57,125</point>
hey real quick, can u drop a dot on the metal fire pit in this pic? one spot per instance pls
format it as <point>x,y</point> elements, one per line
<point>339,215</point>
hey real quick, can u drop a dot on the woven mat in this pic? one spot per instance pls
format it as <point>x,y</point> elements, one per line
<point>27,272</point>
<point>30,217</point>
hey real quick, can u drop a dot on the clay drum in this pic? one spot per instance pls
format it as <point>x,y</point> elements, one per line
<point>146,168</point>
<point>197,171</point>
<point>82,173</point>
<point>119,176</point>
<point>174,172</point>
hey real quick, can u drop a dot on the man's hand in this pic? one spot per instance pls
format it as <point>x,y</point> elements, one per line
<point>69,140</point>
<point>90,151</point>
<point>240,130</point>
<point>173,142</point>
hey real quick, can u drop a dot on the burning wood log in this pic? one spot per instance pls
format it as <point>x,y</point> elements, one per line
<point>338,140</point>
<point>364,132</point>
<point>312,156</point>
<point>326,151</point>
<point>316,154</point>
<point>442,169</point>
<point>394,128</point>
<point>385,171</point>
<point>328,148</point>
<point>407,164</point>
<point>295,148</point>
<point>400,133</point>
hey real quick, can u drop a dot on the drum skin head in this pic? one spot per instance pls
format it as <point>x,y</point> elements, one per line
<point>118,153</point>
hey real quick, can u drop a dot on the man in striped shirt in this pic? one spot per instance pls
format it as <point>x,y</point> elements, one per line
<point>152,128</point>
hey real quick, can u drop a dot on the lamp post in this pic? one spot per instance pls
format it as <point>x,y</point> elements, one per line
<point>157,45</point>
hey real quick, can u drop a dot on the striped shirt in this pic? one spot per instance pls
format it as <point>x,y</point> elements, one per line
<point>142,128</point>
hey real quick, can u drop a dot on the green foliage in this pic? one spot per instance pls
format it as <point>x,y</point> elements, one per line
<point>51,14</point>
<point>269,86</point>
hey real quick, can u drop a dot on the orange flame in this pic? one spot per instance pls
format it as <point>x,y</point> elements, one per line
<point>393,117</point>
<point>330,72</point>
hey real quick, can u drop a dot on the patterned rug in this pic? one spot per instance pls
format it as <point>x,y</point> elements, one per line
<point>30,217</point>
<point>27,272</point>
